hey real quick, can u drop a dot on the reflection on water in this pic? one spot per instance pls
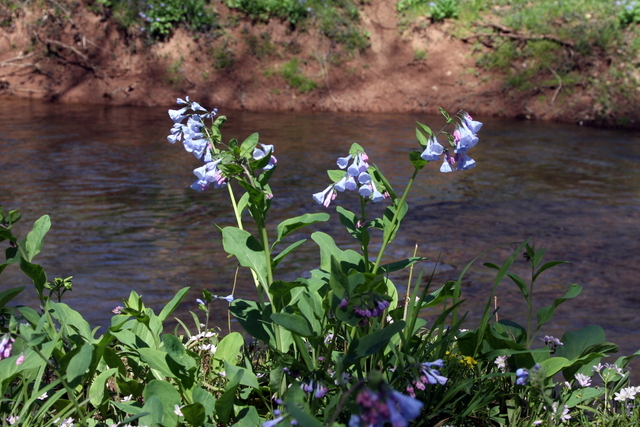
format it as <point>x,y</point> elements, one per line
<point>124,217</point>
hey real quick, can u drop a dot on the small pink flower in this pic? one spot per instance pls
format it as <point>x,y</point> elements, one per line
<point>117,310</point>
<point>20,359</point>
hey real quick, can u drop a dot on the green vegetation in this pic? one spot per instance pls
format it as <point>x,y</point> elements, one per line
<point>292,74</point>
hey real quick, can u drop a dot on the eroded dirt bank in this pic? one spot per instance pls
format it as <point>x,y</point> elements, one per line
<point>77,56</point>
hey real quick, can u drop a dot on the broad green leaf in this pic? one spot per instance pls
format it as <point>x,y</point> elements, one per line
<point>295,323</point>
<point>97,389</point>
<point>168,397</point>
<point>416,160</point>
<point>8,295</point>
<point>247,250</point>
<point>302,417</point>
<point>240,376</point>
<point>173,304</point>
<point>254,320</point>
<point>34,241</point>
<point>155,413</point>
<point>35,273</point>
<point>371,343</point>
<point>224,405</point>
<point>390,229</point>
<point>79,364</point>
<point>574,343</point>
<point>552,366</point>
<point>336,175</point>
<point>156,359</point>
<point>292,224</point>
<point>194,414</point>
<point>71,321</point>
<point>582,394</point>
<point>205,398</point>
<point>229,348</point>
<point>248,417</point>
<point>249,144</point>
<point>328,248</point>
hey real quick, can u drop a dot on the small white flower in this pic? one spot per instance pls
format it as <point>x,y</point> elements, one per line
<point>501,362</point>
<point>177,411</point>
<point>583,380</point>
<point>13,419</point>
<point>43,396</point>
<point>628,393</point>
<point>67,422</point>
<point>127,398</point>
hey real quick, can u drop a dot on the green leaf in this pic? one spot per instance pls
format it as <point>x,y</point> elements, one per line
<point>574,343</point>
<point>156,359</point>
<point>155,412</point>
<point>255,321</point>
<point>97,389</point>
<point>33,244</point>
<point>399,265</point>
<point>545,314</point>
<point>168,397</point>
<point>292,224</point>
<point>552,366</point>
<point>278,258</point>
<point>302,417</point>
<point>426,129</point>
<point>229,348</point>
<point>173,304</point>
<point>248,145</point>
<point>421,139</point>
<point>206,399</point>
<point>390,230</point>
<point>79,364</point>
<point>371,343</point>
<point>8,295</point>
<point>237,375</point>
<point>35,273</point>
<point>247,250</point>
<point>248,417</point>
<point>295,323</point>
<point>547,266</point>
<point>416,159</point>
<point>328,248</point>
<point>224,405</point>
<point>194,414</point>
<point>336,175</point>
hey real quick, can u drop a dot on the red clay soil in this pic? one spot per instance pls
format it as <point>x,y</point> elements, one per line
<point>72,55</point>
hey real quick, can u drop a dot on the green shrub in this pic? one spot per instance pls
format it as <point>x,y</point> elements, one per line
<point>290,71</point>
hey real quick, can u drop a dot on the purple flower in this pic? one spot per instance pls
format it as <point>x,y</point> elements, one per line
<point>117,310</point>
<point>325,197</point>
<point>5,346</point>
<point>433,150</point>
<point>228,298</point>
<point>178,115</point>
<point>464,138</point>
<point>433,375</point>
<point>273,422</point>
<point>261,153</point>
<point>522,376</point>
<point>552,342</point>
<point>385,406</point>
<point>208,174</point>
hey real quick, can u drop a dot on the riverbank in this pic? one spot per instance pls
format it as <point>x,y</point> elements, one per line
<point>78,53</point>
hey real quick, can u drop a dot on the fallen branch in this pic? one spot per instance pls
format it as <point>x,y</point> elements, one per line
<point>509,33</point>
<point>557,91</point>
<point>17,58</point>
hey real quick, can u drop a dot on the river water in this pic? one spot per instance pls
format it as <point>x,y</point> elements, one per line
<point>124,217</point>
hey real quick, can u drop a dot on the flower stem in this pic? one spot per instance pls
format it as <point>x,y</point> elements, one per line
<point>390,234</point>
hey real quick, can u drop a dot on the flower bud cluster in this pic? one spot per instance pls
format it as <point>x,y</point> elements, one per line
<point>6,345</point>
<point>464,138</point>
<point>366,305</point>
<point>355,177</point>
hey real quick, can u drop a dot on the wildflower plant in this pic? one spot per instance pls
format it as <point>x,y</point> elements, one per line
<point>339,346</point>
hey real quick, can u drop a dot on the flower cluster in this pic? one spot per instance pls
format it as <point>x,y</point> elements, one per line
<point>366,305</point>
<point>356,177</point>
<point>522,376</point>
<point>430,375</point>
<point>385,406</point>
<point>317,388</point>
<point>552,342</point>
<point>464,138</point>
<point>562,417</point>
<point>627,393</point>
<point>6,345</point>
